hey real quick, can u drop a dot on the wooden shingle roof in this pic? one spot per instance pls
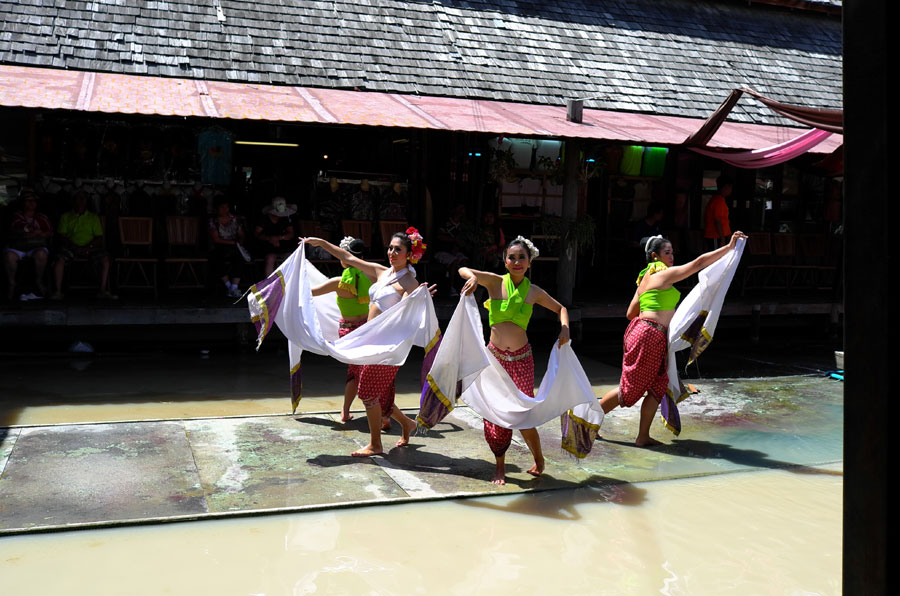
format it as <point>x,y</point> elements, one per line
<point>668,57</point>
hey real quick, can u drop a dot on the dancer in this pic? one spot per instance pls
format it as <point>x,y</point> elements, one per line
<point>352,290</point>
<point>646,344</point>
<point>511,301</point>
<point>393,283</point>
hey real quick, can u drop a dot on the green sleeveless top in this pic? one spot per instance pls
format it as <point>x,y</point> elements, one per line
<point>657,300</point>
<point>514,308</point>
<point>354,281</point>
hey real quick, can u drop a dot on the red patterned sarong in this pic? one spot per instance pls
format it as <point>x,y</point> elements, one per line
<point>644,364</point>
<point>519,364</point>
<point>344,328</point>
<point>376,385</point>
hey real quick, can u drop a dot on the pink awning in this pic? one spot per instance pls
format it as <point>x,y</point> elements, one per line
<point>22,86</point>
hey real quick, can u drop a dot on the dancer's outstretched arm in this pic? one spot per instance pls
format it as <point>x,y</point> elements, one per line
<point>673,275</point>
<point>370,270</point>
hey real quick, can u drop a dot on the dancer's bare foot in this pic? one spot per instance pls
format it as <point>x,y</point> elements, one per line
<point>386,425</point>
<point>538,468</point>
<point>346,416</point>
<point>409,425</point>
<point>648,442</point>
<point>499,474</point>
<point>367,451</point>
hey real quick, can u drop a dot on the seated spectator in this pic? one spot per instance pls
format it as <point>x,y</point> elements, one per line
<point>29,238</point>
<point>80,236</point>
<point>274,233</point>
<point>227,257</point>
<point>449,242</point>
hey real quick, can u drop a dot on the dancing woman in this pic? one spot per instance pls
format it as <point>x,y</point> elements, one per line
<point>511,301</point>
<point>352,291</point>
<point>644,364</point>
<point>393,283</point>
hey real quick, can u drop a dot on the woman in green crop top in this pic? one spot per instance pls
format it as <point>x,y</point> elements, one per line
<point>644,364</point>
<point>352,290</point>
<point>511,301</point>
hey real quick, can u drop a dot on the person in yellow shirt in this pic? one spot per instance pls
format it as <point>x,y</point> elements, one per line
<point>80,235</point>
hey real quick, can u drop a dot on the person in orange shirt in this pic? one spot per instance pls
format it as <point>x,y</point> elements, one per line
<point>717,230</point>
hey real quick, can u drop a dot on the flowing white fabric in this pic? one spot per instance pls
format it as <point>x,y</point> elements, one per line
<point>311,323</point>
<point>487,387</point>
<point>695,320</point>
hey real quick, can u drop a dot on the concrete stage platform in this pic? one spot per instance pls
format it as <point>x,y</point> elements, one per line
<point>88,475</point>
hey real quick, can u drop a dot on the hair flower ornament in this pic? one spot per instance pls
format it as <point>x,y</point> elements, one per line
<point>533,252</point>
<point>418,246</point>
<point>346,242</point>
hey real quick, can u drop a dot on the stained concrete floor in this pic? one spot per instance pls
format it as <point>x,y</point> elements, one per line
<point>170,438</point>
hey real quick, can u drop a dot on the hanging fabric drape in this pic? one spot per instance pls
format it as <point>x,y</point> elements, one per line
<point>770,156</point>
<point>311,323</point>
<point>821,118</point>
<point>824,122</point>
<point>465,369</point>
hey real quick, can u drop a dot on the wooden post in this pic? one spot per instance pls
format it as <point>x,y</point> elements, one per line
<point>568,252</point>
<point>869,241</point>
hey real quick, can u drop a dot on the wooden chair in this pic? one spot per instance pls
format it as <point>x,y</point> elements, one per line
<point>358,229</point>
<point>134,271</point>
<point>310,228</point>
<point>185,269</point>
<point>815,270</point>
<point>389,228</point>
<point>784,269</point>
<point>759,254</point>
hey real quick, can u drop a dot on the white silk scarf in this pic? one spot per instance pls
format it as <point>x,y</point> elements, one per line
<point>695,320</point>
<point>488,389</point>
<point>311,323</point>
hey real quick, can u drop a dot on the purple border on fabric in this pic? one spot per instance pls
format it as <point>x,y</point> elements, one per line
<point>271,292</point>
<point>577,438</point>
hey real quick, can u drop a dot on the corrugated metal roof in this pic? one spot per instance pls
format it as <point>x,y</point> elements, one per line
<point>131,94</point>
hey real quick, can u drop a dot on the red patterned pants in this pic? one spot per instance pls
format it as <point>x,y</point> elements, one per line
<point>376,386</point>
<point>519,364</point>
<point>346,327</point>
<point>644,364</point>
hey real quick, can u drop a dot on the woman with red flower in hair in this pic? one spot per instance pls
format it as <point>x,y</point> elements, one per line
<point>392,284</point>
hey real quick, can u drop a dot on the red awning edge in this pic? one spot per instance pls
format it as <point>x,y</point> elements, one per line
<point>44,88</point>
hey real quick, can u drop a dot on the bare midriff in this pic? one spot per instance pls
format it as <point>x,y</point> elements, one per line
<point>508,336</point>
<point>663,317</point>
